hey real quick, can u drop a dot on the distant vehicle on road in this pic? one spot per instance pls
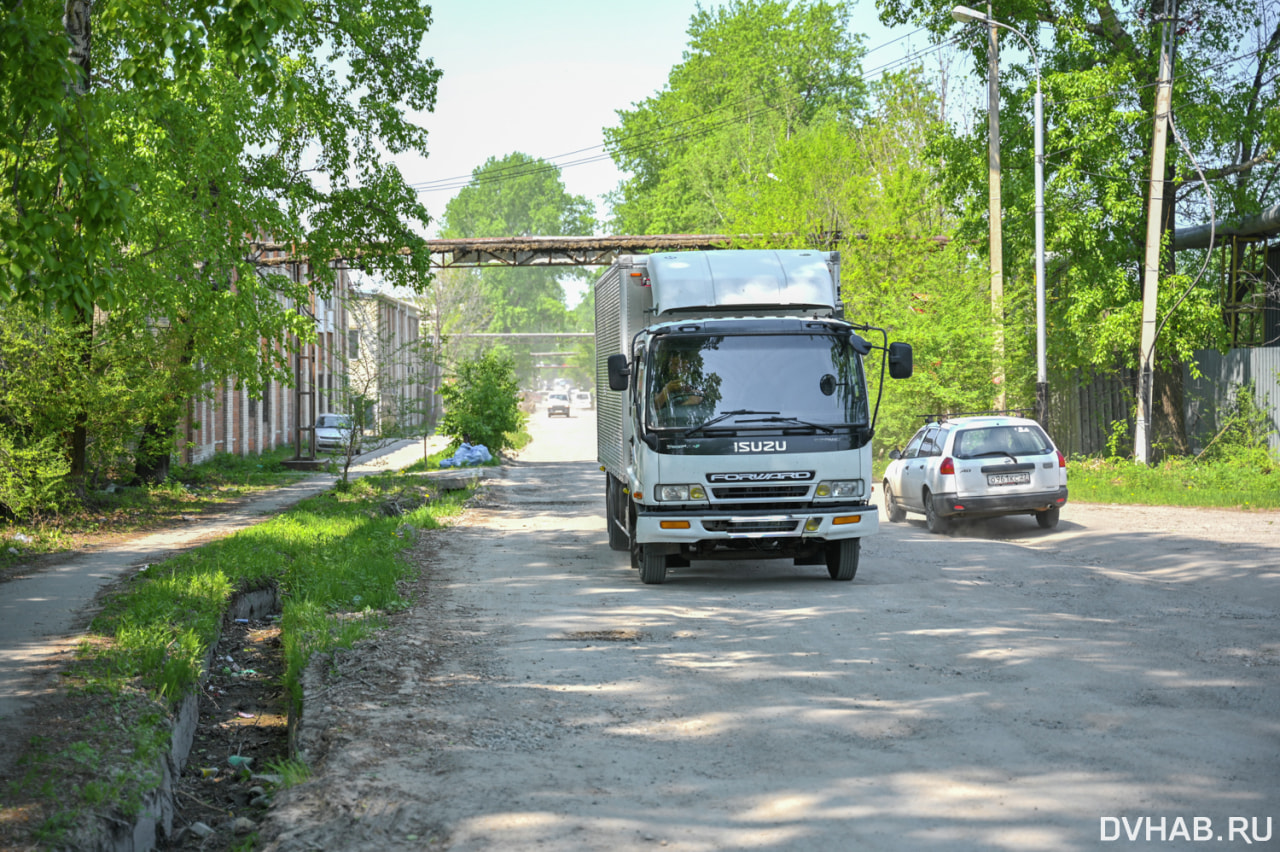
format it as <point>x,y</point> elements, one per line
<point>557,403</point>
<point>978,466</point>
<point>582,399</point>
<point>333,432</point>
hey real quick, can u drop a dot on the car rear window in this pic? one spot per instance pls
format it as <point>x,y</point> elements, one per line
<point>1017,440</point>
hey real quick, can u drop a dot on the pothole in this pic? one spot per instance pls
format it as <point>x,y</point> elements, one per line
<point>606,636</point>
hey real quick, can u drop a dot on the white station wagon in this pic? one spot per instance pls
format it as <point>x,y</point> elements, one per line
<point>976,467</point>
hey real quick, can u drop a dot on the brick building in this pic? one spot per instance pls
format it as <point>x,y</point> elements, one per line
<point>390,364</point>
<point>229,420</point>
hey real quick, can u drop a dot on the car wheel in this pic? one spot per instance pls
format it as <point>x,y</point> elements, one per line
<point>1048,519</point>
<point>842,558</point>
<point>935,522</point>
<point>892,508</point>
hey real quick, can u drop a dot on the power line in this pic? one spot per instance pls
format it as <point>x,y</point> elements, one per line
<point>557,164</point>
<point>551,163</point>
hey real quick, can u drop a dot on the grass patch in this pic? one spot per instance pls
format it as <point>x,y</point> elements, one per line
<point>292,771</point>
<point>1248,480</point>
<point>114,510</point>
<point>335,561</point>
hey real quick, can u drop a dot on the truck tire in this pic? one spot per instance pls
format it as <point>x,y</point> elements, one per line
<point>1048,519</point>
<point>614,517</point>
<point>842,558</point>
<point>651,564</point>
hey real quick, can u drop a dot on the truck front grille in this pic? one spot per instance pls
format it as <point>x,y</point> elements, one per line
<point>748,526</point>
<point>774,492</point>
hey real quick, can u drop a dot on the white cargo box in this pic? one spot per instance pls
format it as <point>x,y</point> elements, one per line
<point>790,281</point>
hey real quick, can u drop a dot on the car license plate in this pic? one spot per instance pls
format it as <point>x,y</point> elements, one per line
<point>1008,478</point>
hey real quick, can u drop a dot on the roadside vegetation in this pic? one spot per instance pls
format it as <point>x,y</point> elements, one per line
<point>1251,482</point>
<point>189,491</point>
<point>1235,469</point>
<point>335,564</point>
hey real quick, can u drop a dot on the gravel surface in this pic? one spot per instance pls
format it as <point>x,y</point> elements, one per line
<point>1003,687</point>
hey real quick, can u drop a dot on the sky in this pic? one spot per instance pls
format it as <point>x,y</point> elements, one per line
<point>545,78</point>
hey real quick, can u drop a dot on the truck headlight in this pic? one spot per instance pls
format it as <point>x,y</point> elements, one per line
<point>680,493</point>
<point>841,488</point>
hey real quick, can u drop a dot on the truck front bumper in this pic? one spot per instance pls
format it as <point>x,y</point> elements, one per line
<point>672,526</point>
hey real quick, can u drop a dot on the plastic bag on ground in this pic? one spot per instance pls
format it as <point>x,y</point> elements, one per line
<point>468,455</point>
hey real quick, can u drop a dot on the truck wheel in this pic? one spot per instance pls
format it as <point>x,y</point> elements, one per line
<point>1048,519</point>
<point>935,522</point>
<point>842,558</point>
<point>613,518</point>
<point>892,508</point>
<point>651,564</point>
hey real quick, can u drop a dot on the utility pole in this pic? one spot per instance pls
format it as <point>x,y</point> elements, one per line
<point>995,209</point>
<point>1151,268</point>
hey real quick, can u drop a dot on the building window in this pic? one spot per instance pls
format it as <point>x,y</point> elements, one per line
<point>353,343</point>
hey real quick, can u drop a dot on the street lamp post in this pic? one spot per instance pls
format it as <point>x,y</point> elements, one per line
<point>965,15</point>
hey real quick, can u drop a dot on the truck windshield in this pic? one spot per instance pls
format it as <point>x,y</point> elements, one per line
<point>806,380</point>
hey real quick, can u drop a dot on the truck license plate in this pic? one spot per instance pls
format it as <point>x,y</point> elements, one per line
<point>1008,478</point>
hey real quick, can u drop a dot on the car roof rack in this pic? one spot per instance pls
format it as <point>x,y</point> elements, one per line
<point>1008,412</point>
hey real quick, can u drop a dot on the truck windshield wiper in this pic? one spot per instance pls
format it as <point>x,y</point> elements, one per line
<point>719,417</point>
<point>818,426</point>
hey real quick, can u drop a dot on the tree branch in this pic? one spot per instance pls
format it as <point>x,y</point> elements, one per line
<point>1225,171</point>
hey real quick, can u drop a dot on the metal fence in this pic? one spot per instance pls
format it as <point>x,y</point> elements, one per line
<point>1086,410</point>
<point>1220,375</point>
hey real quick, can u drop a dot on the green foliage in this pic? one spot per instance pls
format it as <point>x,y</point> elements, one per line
<point>1245,426</point>
<point>335,560</point>
<point>329,555</point>
<point>292,771</point>
<point>1241,481</point>
<point>513,196</point>
<point>482,402</point>
<point>131,201</point>
<point>32,476</point>
<point>755,73</point>
<point>1099,66</point>
<point>872,183</point>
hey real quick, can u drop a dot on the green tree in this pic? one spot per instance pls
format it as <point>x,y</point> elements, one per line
<point>1099,67</point>
<point>519,195</point>
<point>141,169</point>
<point>482,401</point>
<point>874,183</point>
<point>756,72</point>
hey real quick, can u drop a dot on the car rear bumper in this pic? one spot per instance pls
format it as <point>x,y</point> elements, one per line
<point>953,506</point>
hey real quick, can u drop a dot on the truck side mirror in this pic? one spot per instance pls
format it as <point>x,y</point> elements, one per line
<point>900,365</point>
<point>618,372</point>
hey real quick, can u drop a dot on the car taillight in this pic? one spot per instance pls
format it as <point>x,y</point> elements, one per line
<point>1062,462</point>
<point>948,466</point>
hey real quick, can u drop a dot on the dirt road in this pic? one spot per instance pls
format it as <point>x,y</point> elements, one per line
<point>1005,687</point>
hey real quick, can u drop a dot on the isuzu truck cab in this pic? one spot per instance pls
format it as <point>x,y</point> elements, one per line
<point>737,422</point>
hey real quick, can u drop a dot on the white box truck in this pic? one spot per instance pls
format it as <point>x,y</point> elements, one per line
<point>737,423</point>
